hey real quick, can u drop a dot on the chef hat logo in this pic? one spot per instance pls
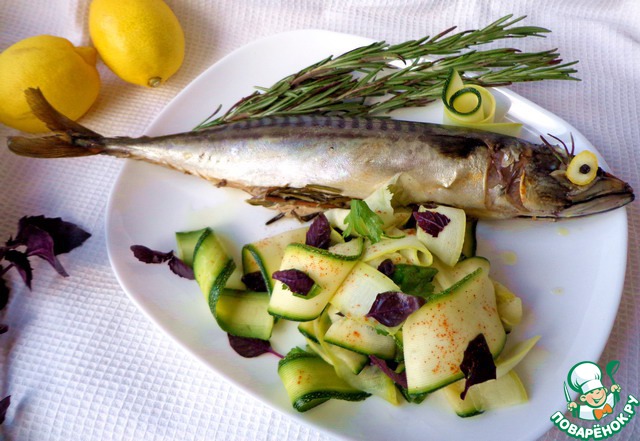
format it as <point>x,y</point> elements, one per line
<point>585,377</point>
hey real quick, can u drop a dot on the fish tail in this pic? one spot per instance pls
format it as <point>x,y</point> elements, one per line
<point>71,140</point>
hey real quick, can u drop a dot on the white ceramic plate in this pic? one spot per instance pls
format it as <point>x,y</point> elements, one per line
<point>569,274</point>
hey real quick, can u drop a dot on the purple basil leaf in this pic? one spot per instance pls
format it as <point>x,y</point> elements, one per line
<point>477,364</point>
<point>387,267</point>
<point>398,378</point>
<point>392,308</point>
<point>431,222</point>
<point>3,328</point>
<point>40,243</point>
<point>4,406</point>
<point>251,347</point>
<point>66,235</point>
<point>297,281</point>
<point>180,268</point>
<point>254,281</point>
<point>147,255</point>
<point>4,291</point>
<point>319,233</point>
<point>20,263</point>
<point>177,266</point>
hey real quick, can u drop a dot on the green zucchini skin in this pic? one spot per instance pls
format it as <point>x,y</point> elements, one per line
<point>470,243</point>
<point>244,314</point>
<point>212,268</point>
<point>307,329</point>
<point>251,252</point>
<point>310,381</point>
<point>186,242</point>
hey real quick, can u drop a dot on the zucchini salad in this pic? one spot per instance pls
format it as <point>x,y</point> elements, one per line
<point>391,302</point>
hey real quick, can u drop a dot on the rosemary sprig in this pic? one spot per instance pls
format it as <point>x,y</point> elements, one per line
<point>408,74</point>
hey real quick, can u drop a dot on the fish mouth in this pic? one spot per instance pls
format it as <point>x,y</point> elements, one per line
<point>606,194</point>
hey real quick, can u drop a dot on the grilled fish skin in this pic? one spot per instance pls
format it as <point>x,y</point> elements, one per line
<point>489,175</point>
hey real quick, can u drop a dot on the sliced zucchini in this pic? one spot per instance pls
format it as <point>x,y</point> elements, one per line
<point>447,276</point>
<point>339,356</point>
<point>360,337</point>
<point>447,245</point>
<point>410,247</point>
<point>317,348</point>
<point>333,313</point>
<point>244,314</point>
<point>399,339</point>
<point>359,289</point>
<point>509,306</point>
<point>510,359</point>
<point>308,330</point>
<point>583,168</point>
<point>327,269</point>
<point>367,379</point>
<point>473,106</point>
<point>310,381</point>
<point>436,336</point>
<point>354,361</point>
<point>212,267</point>
<point>186,242</point>
<point>470,243</point>
<point>240,313</point>
<point>373,381</point>
<point>265,255</point>
<point>334,354</point>
<point>492,394</point>
<point>504,391</point>
<point>348,250</point>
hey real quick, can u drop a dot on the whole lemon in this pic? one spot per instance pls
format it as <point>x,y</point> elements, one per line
<point>140,40</point>
<point>67,76</point>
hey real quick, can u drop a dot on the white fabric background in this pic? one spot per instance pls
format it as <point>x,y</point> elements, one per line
<point>82,363</point>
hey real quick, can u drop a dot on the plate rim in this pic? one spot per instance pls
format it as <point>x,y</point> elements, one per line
<point>125,169</point>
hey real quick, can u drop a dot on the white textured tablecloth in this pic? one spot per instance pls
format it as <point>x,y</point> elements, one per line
<point>82,363</point>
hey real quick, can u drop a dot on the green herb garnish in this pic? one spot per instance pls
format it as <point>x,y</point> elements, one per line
<point>408,74</point>
<point>414,280</point>
<point>362,221</point>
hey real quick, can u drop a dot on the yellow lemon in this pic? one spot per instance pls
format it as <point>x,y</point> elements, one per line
<point>67,76</point>
<point>140,40</point>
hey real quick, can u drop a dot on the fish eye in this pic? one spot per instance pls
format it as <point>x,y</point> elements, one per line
<point>583,168</point>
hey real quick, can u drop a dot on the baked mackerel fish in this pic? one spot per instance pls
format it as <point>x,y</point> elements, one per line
<point>320,162</point>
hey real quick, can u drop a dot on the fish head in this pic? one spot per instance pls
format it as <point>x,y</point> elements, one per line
<point>546,189</point>
<point>605,193</point>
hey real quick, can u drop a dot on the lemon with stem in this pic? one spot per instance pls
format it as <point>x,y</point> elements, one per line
<point>66,74</point>
<point>141,41</point>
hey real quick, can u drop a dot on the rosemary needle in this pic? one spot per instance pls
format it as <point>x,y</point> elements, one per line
<point>408,74</point>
